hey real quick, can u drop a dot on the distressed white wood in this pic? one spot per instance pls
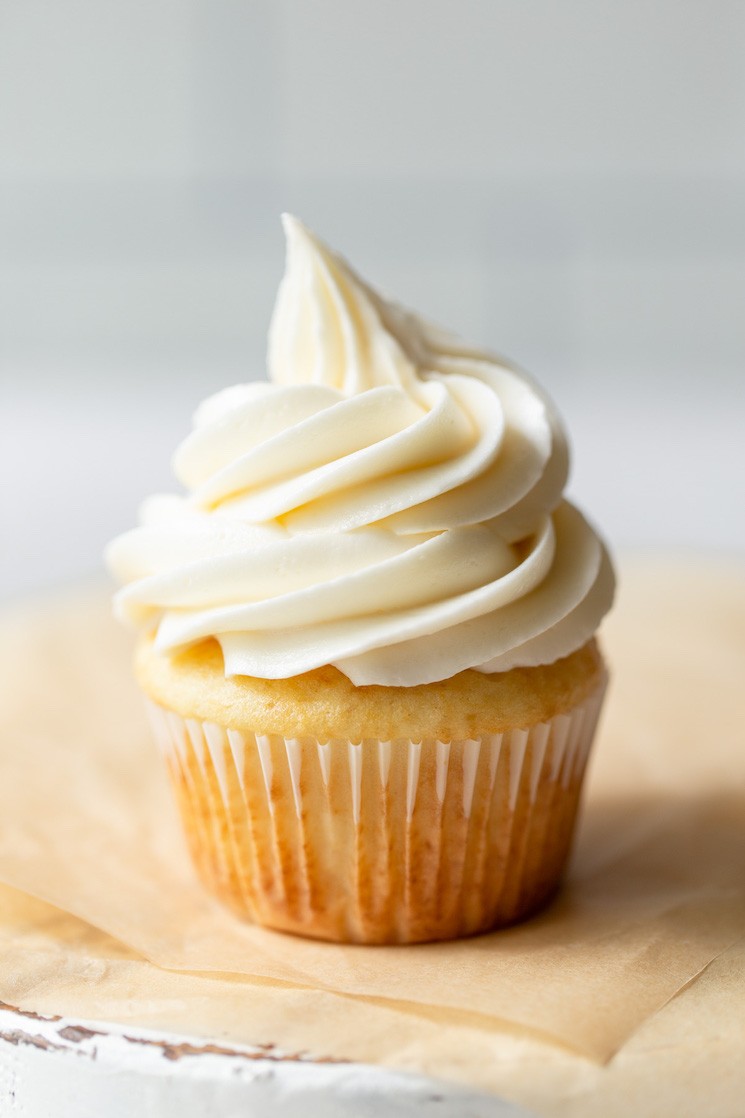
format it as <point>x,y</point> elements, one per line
<point>62,1068</point>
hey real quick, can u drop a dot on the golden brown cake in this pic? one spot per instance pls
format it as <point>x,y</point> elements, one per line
<point>367,631</point>
<point>376,814</point>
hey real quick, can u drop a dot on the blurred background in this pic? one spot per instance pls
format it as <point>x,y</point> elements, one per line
<point>564,182</point>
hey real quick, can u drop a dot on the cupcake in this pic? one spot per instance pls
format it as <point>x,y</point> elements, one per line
<point>367,631</point>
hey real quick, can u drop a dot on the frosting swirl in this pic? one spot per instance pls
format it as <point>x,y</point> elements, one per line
<point>391,503</point>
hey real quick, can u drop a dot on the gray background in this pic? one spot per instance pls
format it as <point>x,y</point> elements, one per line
<point>563,180</point>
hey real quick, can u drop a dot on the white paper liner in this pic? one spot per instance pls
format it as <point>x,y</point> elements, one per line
<point>380,841</point>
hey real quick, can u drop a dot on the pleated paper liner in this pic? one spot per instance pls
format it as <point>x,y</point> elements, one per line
<point>380,841</point>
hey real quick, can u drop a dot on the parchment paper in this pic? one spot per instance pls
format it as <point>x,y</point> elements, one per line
<point>656,891</point>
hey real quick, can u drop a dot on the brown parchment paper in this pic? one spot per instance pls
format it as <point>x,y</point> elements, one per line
<point>656,891</point>
<point>686,1060</point>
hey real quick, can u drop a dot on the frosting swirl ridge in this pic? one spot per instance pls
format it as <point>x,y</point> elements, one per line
<point>390,503</point>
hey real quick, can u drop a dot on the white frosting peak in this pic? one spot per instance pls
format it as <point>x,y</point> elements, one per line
<point>391,504</point>
<point>328,326</point>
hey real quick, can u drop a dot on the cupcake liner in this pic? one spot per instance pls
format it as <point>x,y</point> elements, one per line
<point>380,841</point>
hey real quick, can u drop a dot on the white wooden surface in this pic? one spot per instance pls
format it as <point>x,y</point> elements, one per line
<point>54,1067</point>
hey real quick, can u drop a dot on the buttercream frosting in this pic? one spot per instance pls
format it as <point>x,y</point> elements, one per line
<point>391,503</point>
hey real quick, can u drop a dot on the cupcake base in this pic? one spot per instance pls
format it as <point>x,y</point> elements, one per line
<point>376,841</point>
